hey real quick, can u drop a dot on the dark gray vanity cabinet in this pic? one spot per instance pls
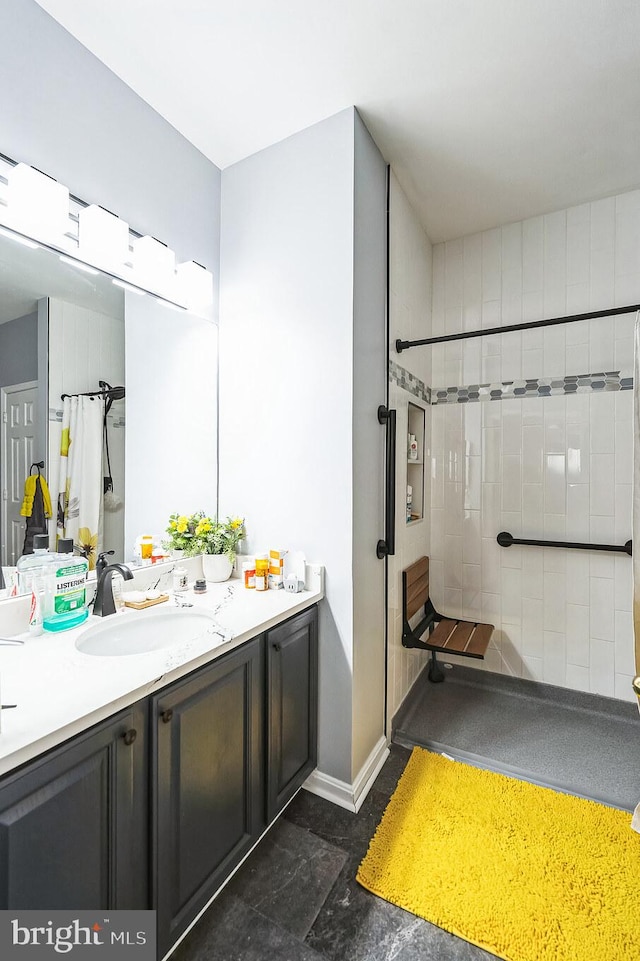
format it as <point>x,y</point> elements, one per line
<point>73,823</point>
<point>292,707</point>
<point>207,783</point>
<point>155,807</point>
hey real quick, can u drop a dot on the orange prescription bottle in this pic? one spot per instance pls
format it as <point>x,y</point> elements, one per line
<point>262,572</point>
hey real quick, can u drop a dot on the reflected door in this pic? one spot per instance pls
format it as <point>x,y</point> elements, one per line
<point>19,404</point>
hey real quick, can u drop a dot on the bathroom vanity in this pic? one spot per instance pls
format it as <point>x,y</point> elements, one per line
<point>154,803</point>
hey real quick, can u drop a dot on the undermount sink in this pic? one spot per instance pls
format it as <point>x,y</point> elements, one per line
<point>131,634</point>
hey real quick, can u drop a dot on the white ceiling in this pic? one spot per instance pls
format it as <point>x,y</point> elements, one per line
<point>488,110</point>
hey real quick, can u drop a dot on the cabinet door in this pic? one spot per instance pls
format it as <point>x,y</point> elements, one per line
<point>74,823</point>
<point>207,783</point>
<point>292,707</point>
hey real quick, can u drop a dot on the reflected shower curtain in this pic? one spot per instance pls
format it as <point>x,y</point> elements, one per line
<point>80,485</point>
<point>635,823</point>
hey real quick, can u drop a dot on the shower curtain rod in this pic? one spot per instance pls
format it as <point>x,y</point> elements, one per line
<point>106,391</point>
<point>115,393</point>
<point>552,322</point>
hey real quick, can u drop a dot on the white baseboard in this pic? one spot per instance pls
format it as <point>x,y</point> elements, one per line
<point>349,796</point>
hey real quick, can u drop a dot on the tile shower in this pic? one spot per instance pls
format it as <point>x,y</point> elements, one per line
<point>540,467</point>
<point>531,432</point>
<point>545,448</point>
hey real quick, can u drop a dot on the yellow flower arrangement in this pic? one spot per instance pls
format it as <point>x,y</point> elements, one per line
<point>200,534</point>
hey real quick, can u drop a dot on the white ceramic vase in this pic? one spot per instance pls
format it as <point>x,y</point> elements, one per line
<point>216,567</point>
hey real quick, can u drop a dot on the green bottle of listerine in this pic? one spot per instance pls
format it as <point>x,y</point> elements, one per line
<point>66,589</point>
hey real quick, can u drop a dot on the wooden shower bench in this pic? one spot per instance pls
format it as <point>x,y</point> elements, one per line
<point>447,635</point>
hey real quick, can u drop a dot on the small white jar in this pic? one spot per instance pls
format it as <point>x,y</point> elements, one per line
<point>179,581</point>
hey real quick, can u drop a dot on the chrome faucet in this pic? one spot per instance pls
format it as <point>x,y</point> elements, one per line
<point>104,603</point>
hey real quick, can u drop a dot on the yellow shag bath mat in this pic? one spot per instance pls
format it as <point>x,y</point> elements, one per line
<point>520,870</point>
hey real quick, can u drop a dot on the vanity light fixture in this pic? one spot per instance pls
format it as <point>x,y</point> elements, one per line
<point>19,239</point>
<point>103,238</point>
<point>79,265</point>
<point>154,266</point>
<point>34,205</point>
<point>194,286</point>
<point>37,205</point>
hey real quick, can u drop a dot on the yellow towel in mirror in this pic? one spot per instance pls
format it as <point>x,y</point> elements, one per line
<point>30,493</point>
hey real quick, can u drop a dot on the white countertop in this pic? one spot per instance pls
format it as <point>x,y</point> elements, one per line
<point>59,691</point>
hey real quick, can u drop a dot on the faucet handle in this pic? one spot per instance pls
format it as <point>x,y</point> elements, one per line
<point>102,561</point>
<point>103,602</point>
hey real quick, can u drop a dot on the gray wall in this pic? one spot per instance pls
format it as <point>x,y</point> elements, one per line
<point>63,111</point>
<point>286,335</point>
<point>369,391</point>
<point>19,350</point>
<point>302,348</point>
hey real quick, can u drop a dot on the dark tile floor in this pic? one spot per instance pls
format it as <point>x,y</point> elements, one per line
<point>296,897</point>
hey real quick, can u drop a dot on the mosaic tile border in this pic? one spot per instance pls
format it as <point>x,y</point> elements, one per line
<point>533,387</point>
<point>409,382</point>
<point>508,389</point>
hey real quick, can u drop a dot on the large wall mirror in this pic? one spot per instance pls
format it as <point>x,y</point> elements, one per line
<point>130,381</point>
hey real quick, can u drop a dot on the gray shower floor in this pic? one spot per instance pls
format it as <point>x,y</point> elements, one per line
<point>582,744</point>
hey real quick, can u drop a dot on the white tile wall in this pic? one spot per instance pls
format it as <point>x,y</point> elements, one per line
<point>410,273</point>
<point>560,467</point>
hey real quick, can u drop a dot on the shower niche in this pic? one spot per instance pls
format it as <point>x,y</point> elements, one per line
<point>415,463</point>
